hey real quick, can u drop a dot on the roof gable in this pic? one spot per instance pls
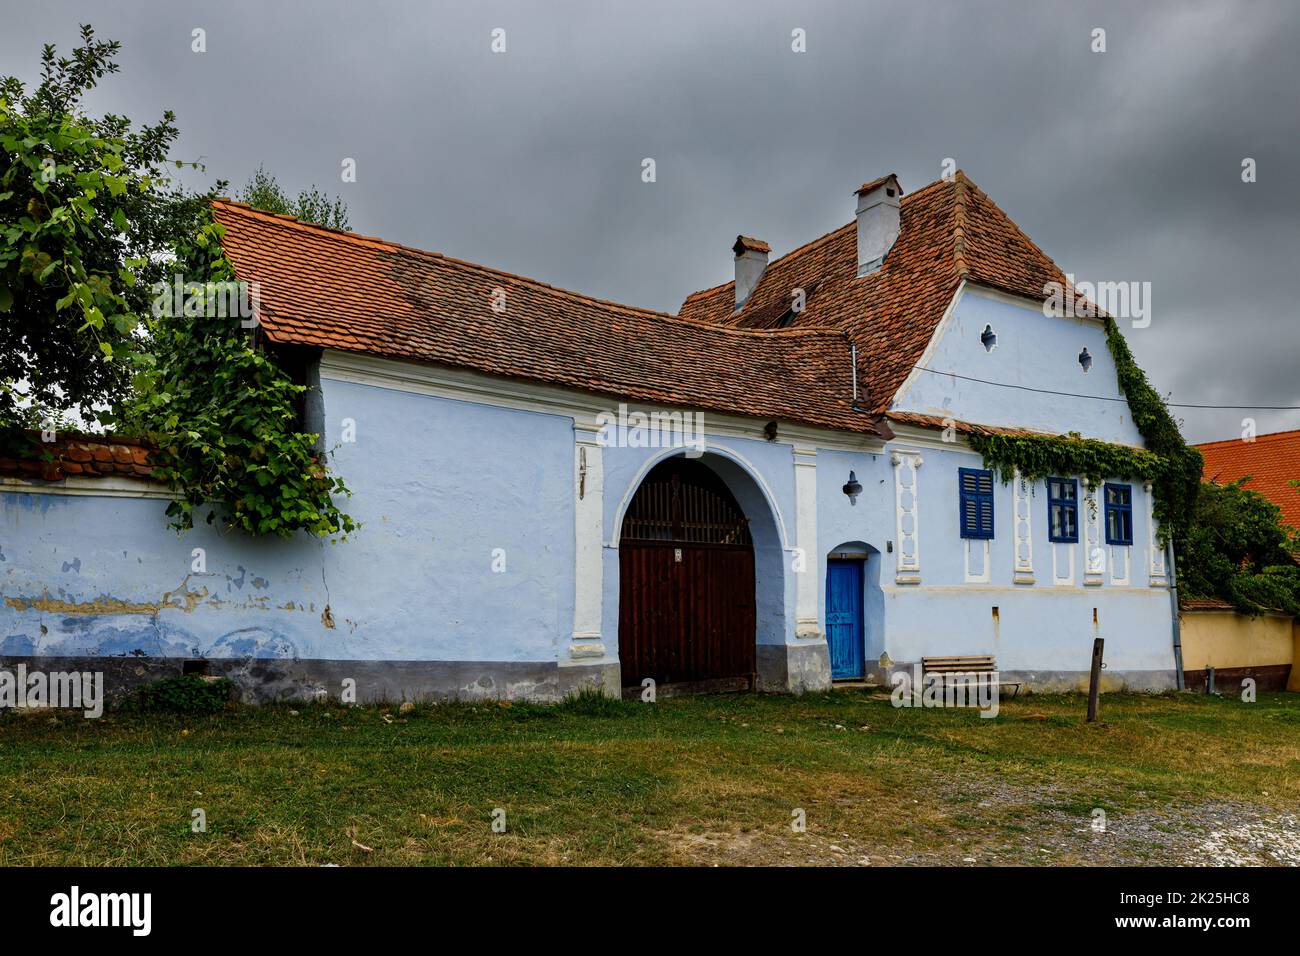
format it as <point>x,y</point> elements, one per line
<point>951,231</point>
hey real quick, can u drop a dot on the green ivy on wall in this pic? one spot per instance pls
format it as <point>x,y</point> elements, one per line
<point>225,416</point>
<point>1173,468</point>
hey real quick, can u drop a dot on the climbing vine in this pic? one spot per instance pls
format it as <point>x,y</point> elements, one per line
<point>1180,482</point>
<point>224,415</point>
<point>1173,468</point>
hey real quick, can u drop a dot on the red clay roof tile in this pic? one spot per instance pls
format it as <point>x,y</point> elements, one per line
<point>356,293</point>
<point>350,292</point>
<point>949,231</point>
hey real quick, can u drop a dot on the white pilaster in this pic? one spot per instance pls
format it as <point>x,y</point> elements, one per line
<point>1157,576</point>
<point>806,623</point>
<point>1094,554</point>
<point>588,569</point>
<point>907,565</point>
<point>1023,539</point>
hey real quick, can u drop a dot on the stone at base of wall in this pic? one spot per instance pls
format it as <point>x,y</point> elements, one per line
<point>266,680</point>
<point>1061,682</point>
<point>1227,680</point>
<point>793,668</point>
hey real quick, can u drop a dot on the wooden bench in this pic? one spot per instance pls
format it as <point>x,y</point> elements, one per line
<point>974,664</point>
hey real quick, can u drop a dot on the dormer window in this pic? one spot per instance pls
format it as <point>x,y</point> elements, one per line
<point>1085,360</point>
<point>989,338</point>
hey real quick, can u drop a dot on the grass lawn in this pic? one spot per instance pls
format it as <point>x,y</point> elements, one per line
<point>686,781</point>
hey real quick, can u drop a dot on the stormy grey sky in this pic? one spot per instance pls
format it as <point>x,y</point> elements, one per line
<point>1123,165</point>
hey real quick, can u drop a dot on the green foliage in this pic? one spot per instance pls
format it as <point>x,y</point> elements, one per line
<point>188,694</point>
<point>1236,550</point>
<point>85,212</point>
<point>591,702</point>
<point>93,234</point>
<point>263,192</point>
<point>1172,467</point>
<point>225,416</point>
<point>1177,487</point>
<point>1039,457</point>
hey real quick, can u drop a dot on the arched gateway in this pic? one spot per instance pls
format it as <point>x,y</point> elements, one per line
<point>688,601</point>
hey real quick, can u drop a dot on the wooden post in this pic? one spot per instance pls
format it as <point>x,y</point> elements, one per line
<point>1094,680</point>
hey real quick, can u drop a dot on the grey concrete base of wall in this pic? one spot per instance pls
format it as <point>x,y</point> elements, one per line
<point>265,680</point>
<point>1060,682</point>
<point>1056,682</point>
<point>793,668</point>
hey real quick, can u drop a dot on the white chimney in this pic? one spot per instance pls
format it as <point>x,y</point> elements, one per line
<point>751,262</point>
<point>877,221</point>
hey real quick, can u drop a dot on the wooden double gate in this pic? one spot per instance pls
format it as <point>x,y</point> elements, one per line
<point>686,581</point>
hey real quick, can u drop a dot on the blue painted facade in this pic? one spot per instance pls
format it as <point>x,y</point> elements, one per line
<point>473,552</point>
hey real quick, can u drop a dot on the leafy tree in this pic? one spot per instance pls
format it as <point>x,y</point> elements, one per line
<point>93,234</point>
<point>1236,551</point>
<point>263,192</point>
<point>87,214</point>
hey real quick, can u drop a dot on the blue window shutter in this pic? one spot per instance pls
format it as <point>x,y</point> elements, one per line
<point>975,489</point>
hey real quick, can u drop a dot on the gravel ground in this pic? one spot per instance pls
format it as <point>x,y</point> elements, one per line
<point>1012,827</point>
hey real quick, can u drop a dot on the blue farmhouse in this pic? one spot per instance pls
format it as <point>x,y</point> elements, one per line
<point>773,488</point>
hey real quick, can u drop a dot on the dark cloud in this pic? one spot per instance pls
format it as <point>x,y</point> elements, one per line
<point>1123,165</point>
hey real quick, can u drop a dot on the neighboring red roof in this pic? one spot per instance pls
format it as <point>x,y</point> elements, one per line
<point>1272,461</point>
<point>1205,604</point>
<point>94,456</point>
<point>340,290</point>
<point>949,231</point>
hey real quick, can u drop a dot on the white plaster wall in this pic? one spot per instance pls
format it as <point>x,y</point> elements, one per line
<point>1033,351</point>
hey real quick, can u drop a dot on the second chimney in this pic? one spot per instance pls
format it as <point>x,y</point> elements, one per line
<point>751,262</point>
<point>878,221</point>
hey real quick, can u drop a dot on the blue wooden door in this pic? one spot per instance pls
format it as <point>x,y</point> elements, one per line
<point>844,617</point>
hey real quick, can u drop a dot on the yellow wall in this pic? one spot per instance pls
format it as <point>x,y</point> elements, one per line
<point>1294,683</point>
<point>1224,639</point>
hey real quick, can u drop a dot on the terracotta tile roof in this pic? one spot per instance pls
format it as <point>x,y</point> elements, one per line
<point>93,456</point>
<point>749,242</point>
<point>1204,604</point>
<point>355,293</point>
<point>1271,461</point>
<point>965,428</point>
<point>949,231</point>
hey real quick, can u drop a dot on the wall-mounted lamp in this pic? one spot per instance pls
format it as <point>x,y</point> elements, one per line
<point>853,488</point>
<point>769,431</point>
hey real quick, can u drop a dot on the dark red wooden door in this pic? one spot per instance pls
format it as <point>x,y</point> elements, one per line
<point>686,580</point>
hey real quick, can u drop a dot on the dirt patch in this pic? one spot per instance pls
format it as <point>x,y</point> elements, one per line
<point>1018,827</point>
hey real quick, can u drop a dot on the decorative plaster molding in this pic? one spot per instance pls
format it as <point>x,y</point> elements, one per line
<point>1022,539</point>
<point>807,622</point>
<point>1157,573</point>
<point>588,556</point>
<point>907,557</point>
<point>1094,555</point>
